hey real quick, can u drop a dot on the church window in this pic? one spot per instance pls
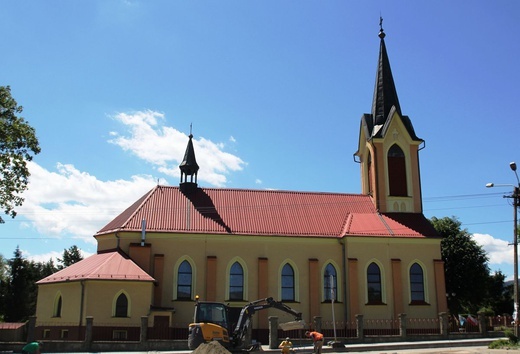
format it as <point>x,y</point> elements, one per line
<point>184,281</point>
<point>397,171</point>
<point>374,288</point>
<point>288,285</point>
<point>121,306</point>
<point>57,306</point>
<point>236,282</point>
<point>330,283</point>
<point>416,284</point>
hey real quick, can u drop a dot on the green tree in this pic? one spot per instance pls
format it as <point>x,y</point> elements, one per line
<point>44,269</point>
<point>466,267</point>
<point>18,144</point>
<point>3,285</point>
<point>499,297</point>
<point>21,289</point>
<point>70,256</point>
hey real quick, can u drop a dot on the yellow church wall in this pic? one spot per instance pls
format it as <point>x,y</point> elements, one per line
<point>247,250</point>
<point>139,296</point>
<point>384,252</point>
<point>219,252</point>
<point>48,294</point>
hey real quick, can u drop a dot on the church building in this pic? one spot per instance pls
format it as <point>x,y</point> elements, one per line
<point>373,253</point>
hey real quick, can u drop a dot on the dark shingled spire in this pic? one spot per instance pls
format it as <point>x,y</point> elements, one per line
<point>385,94</point>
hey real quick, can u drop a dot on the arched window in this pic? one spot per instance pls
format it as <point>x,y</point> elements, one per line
<point>374,289</point>
<point>288,283</point>
<point>184,281</point>
<point>330,283</point>
<point>121,306</point>
<point>236,282</point>
<point>416,284</point>
<point>397,171</point>
<point>57,306</point>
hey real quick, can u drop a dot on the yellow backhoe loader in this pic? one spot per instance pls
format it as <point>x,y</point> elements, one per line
<point>211,322</point>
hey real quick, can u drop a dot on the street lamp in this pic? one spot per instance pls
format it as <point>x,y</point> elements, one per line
<point>515,196</point>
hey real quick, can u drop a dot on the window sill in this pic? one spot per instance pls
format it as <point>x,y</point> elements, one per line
<point>378,303</point>
<point>419,303</point>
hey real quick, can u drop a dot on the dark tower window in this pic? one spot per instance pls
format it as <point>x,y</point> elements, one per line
<point>397,172</point>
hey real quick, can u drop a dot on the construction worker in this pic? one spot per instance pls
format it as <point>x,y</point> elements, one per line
<point>317,338</point>
<point>286,346</point>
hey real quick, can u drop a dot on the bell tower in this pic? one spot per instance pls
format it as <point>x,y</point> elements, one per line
<point>388,149</point>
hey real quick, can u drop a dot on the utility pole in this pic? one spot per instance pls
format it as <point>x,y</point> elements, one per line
<point>516,197</point>
<point>515,245</point>
<point>516,191</point>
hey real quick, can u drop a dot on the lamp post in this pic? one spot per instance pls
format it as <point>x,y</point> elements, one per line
<point>515,196</point>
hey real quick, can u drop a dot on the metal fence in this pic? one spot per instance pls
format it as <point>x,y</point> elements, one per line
<point>339,329</point>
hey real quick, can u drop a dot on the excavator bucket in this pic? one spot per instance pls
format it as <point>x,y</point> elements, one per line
<point>287,326</point>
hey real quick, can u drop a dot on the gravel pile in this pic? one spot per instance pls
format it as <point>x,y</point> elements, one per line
<point>212,347</point>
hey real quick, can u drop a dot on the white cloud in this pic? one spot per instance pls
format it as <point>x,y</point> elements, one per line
<point>54,255</point>
<point>164,147</point>
<point>498,251</point>
<point>71,203</point>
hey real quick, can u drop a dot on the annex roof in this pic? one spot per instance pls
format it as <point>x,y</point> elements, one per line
<point>265,213</point>
<point>11,325</point>
<point>101,266</point>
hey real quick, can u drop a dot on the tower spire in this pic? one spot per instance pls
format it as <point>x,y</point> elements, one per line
<point>385,94</point>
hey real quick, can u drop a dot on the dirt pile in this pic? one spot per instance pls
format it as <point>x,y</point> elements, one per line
<point>212,347</point>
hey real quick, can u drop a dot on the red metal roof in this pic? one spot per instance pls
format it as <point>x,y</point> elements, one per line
<point>102,266</point>
<point>265,212</point>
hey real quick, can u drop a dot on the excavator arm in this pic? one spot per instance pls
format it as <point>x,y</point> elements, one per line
<point>249,310</point>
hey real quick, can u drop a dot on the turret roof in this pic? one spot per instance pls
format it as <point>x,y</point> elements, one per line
<point>189,164</point>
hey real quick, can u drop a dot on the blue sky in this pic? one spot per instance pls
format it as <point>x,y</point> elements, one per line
<point>275,91</point>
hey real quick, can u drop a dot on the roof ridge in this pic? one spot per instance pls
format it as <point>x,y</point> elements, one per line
<point>271,191</point>
<point>381,217</point>
<point>140,206</point>
<point>347,224</point>
<point>109,256</point>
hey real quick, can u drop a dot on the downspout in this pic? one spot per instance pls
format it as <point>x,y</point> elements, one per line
<point>344,278</point>
<point>419,172</point>
<point>82,300</point>
<point>143,231</point>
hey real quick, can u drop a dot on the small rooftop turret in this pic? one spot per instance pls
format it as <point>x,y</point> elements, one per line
<point>189,167</point>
